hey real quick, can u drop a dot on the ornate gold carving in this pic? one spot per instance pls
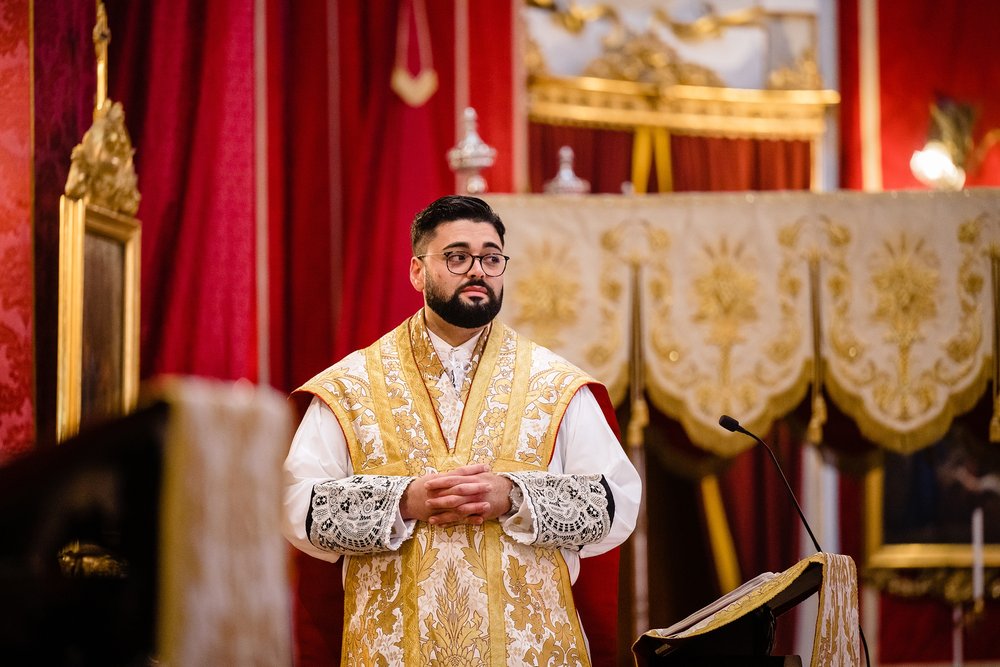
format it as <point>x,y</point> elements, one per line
<point>645,58</point>
<point>711,24</point>
<point>680,108</point>
<point>102,171</point>
<point>534,60</point>
<point>90,561</point>
<point>548,293</point>
<point>639,81</point>
<point>803,76</point>
<point>954,585</point>
<point>575,18</point>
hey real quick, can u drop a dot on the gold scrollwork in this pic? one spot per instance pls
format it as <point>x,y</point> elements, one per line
<point>101,168</point>
<point>548,294</point>
<point>575,18</point>
<point>711,24</point>
<point>961,348</point>
<point>905,288</point>
<point>646,59</point>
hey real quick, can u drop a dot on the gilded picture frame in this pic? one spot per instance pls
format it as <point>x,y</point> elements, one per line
<point>918,508</point>
<point>98,349</point>
<point>97,372</point>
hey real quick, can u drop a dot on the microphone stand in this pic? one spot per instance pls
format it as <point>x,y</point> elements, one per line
<point>732,425</point>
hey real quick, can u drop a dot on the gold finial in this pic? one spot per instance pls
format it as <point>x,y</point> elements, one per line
<point>102,35</point>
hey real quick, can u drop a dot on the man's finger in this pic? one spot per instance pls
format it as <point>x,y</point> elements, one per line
<point>471,469</point>
<point>463,488</point>
<point>453,501</point>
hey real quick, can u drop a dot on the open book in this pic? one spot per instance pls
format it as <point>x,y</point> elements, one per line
<point>692,623</point>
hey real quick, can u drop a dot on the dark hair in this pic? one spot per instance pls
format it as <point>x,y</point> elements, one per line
<point>450,209</point>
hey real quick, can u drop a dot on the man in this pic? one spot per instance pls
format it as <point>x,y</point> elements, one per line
<point>461,470</point>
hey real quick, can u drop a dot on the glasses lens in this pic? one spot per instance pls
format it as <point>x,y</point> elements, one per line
<point>493,264</point>
<point>459,262</point>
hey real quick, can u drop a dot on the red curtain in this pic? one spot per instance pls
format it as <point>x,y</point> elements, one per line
<point>184,72</point>
<point>705,164</point>
<point>925,49</point>
<point>392,160</point>
<point>304,218</point>
<point>717,164</point>
<point>16,244</point>
<point>603,157</point>
<point>928,48</point>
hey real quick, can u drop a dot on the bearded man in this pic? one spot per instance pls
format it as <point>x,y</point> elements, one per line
<point>460,470</point>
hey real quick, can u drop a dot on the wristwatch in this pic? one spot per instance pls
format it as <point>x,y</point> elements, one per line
<point>516,498</point>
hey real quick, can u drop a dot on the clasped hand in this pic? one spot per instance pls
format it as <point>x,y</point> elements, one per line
<point>471,495</point>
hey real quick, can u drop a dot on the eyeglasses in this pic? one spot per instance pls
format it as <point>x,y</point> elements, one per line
<point>459,262</point>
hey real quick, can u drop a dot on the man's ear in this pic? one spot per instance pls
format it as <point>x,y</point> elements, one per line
<point>417,270</point>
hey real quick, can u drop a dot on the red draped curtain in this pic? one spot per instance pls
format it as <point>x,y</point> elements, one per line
<point>705,164</point>
<point>184,71</point>
<point>925,49</point>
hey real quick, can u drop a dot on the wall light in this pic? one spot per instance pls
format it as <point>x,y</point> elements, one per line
<point>949,152</point>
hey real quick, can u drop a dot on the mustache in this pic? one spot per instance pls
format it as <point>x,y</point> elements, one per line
<point>475,282</point>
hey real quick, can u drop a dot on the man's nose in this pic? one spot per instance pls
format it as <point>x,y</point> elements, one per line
<point>477,268</point>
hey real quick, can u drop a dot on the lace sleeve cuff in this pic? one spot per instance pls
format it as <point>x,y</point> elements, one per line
<point>566,511</point>
<point>356,514</point>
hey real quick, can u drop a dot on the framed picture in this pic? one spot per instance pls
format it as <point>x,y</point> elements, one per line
<point>98,365</point>
<point>919,506</point>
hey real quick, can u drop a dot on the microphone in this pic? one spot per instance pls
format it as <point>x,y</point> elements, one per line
<point>730,424</point>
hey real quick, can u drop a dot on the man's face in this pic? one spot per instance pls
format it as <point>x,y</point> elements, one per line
<point>469,300</point>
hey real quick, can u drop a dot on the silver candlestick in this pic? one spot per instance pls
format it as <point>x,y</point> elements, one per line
<point>566,180</point>
<point>471,155</point>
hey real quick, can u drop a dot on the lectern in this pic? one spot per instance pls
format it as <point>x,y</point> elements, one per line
<point>738,628</point>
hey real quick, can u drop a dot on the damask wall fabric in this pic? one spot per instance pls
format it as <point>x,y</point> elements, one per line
<point>744,301</point>
<point>17,430</point>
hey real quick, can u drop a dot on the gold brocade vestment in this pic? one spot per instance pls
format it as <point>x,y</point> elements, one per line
<point>461,595</point>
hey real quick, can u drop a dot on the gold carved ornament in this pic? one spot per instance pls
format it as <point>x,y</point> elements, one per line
<point>98,207</point>
<point>640,84</point>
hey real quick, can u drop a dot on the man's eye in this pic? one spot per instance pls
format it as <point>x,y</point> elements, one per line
<point>458,257</point>
<point>493,260</point>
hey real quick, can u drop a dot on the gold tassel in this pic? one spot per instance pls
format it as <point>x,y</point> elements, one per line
<point>814,433</point>
<point>637,423</point>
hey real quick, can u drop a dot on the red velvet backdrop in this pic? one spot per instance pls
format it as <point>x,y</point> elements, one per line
<point>16,245</point>
<point>925,48</point>
<point>184,72</point>
<point>706,164</point>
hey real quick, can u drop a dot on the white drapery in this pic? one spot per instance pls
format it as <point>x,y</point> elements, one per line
<point>742,302</point>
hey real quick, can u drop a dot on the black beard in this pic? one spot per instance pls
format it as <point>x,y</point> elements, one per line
<point>464,315</point>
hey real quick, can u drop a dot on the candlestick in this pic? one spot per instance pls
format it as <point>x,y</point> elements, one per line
<point>977,555</point>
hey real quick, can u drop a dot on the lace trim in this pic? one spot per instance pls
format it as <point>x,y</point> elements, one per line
<point>356,514</point>
<point>568,510</point>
